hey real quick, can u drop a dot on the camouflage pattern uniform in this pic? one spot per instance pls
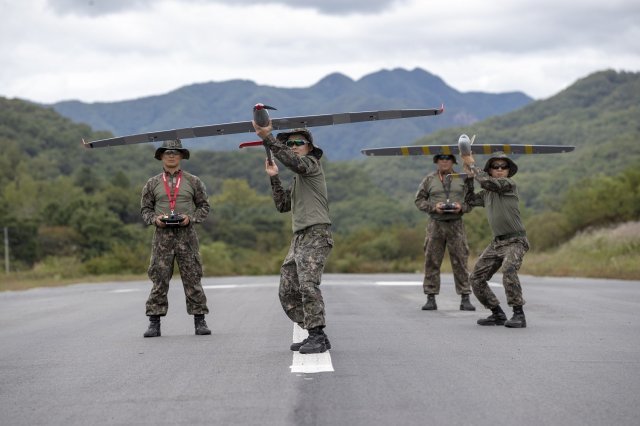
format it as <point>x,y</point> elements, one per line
<point>312,241</point>
<point>500,197</point>
<point>175,243</point>
<point>444,231</point>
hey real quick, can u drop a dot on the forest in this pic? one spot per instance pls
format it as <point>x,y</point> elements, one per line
<point>72,212</point>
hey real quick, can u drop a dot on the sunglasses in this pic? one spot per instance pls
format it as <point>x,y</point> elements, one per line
<point>171,152</point>
<point>296,142</point>
<point>444,157</point>
<point>500,167</point>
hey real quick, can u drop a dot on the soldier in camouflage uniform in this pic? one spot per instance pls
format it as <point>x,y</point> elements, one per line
<point>499,196</point>
<point>445,229</point>
<point>307,199</point>
<point>175,191</point>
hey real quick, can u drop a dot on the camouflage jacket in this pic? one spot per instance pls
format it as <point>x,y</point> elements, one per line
<point>192,199</point>
<point>431,192</point>
<point>500,197</point>
<point>307,197</point>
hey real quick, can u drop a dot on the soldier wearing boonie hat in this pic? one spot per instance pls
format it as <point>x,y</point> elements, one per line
<point>173,201</point>
<point>307,199</point>
<point>445,206</point>
<point>499,196</point>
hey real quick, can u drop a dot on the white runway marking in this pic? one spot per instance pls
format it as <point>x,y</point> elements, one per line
<point>309,363</point>
<point>254,285</point>
<point>492,284</point>
<point>399,283</point>
<point>126,290</point>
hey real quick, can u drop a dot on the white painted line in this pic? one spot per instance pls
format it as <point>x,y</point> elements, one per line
<point>398,283</point>
<point>221,286</point>
<point>492,284</point>
<point>126,290</point>
<point>309,363</point>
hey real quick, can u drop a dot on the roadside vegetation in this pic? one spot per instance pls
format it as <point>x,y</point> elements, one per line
<point>72,214</point>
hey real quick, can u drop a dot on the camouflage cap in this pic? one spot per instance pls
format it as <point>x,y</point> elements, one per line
<point>283,136</point>
<point>175,144</point>
<point>513,167</point>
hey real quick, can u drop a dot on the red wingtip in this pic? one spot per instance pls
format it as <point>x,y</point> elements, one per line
<point>441,109</point>
<point>248,144</point>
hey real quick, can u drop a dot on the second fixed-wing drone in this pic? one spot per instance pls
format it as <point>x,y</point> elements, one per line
<point>464,147</point>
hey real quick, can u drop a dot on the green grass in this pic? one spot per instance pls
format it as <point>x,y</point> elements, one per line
<point>601,253</point>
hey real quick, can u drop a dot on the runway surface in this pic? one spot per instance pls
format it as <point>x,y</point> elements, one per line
<point>76,356</point>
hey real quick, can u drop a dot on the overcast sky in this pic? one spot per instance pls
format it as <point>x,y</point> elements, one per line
<point>108,50</point>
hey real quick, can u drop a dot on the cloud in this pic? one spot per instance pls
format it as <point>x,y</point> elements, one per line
<point>328,7</point>
<point>58,49</point>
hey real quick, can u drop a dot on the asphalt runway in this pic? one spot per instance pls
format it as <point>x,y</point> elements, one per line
<point>76,356</point>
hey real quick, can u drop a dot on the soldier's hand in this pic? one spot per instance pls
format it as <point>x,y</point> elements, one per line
<point>263,132</point>
<point>458,208</point>
<point>271,169</point>
<point>439,207</point>
<point>468,160</point>
<point>159,223</point>
<point>186,221</point>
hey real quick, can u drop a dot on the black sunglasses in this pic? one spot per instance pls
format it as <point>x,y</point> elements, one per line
<point>500,167</point>
<point>296,142</point>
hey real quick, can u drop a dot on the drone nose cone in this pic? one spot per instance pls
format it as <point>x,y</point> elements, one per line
<point>464,145</point>
<point>258,107</point>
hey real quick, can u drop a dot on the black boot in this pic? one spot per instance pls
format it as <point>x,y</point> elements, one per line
<point>465,304</point>
<point>154,326</point>
<point>296,346</point>
<point>517,320</point>
<point>498,317</point>
<point>201,325</point>
<point>315,342</point>
<point>431,303</point>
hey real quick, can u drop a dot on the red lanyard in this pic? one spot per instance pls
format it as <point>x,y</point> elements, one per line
<point>174,197</point>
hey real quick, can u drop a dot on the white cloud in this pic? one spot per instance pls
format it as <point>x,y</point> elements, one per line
<point>55,50</point>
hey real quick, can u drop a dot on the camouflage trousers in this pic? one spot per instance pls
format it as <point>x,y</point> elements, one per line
<point>507,254</point>
<point>300,276</point>
<point>449,235</point>
<point>181,245</point>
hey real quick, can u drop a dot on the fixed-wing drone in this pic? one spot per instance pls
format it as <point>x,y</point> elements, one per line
<point>465,146</point>
<point>277,123</point>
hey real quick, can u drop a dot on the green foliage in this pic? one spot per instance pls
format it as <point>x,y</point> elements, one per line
<point>73,211</point>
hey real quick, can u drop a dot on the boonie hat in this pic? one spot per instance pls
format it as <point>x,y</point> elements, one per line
<point>176,145</point>
<point>283,136</point>
<point>513,167</point>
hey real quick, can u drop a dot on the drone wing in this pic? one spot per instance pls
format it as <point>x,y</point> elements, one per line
<point>476,149</point>
<point>277,123</point>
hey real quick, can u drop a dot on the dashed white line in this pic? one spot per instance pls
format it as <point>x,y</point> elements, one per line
<point>398,283</point>
<point>309,363</point>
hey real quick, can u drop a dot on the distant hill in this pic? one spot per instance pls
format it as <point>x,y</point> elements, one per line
<point>229,101</point>
<point>599,114</point>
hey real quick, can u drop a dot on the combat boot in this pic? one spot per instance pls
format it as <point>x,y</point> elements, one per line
<point>497,317</point>
<point>315,342</point>
<point>154,326</point>
<point>201,325</point>
<point>517,320</point>
<point>296,346</point>
<point>465,304</point>
<point>431,303</point>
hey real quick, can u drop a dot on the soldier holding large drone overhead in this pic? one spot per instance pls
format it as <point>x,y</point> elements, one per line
<point>443,201</point>
<point>312,241</point>
<point>499,196</point>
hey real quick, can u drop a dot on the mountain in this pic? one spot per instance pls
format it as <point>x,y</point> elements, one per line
<point>229,101</point>
<point>599,114</point>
